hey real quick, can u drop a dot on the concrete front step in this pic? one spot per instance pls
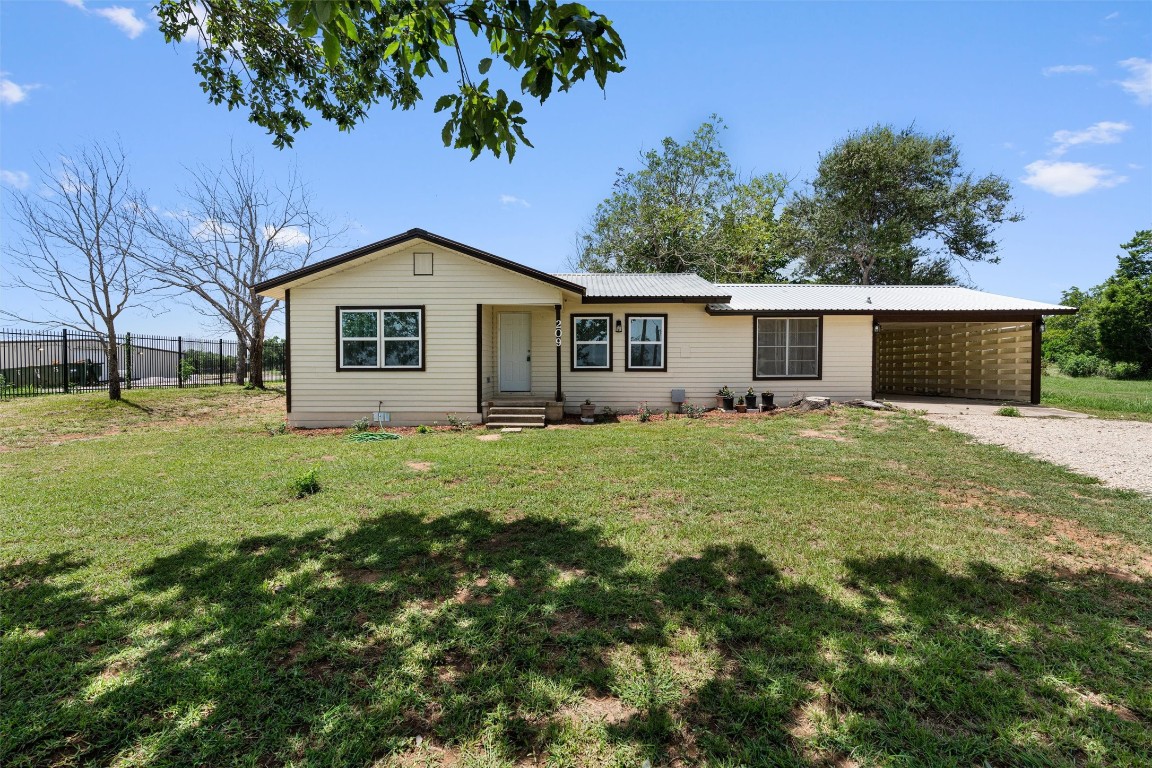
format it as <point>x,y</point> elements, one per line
<point>500,416</point>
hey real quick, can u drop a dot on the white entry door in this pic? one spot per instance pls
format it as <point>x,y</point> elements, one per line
<point>515,352</point>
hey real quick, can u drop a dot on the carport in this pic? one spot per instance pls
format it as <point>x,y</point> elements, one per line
<point>978,355</point>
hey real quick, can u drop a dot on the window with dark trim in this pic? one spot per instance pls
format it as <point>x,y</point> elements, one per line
<point>787,347</point>
<point>591,342</point>
<point>647,342</point>
<point>380,338</point>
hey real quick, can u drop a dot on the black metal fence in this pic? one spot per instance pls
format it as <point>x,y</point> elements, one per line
<point>46,362</point>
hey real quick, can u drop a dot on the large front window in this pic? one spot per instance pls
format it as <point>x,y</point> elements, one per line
<point>382,338</point>
<point>646,343</point>
<point>591,342</point>
<point>787,347</point>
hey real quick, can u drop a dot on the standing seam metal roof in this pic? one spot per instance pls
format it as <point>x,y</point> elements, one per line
<point>872,298</point>
<point>654,285</point>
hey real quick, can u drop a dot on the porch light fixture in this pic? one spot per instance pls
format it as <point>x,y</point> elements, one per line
<point>619,325</point>
<point>876,326</point>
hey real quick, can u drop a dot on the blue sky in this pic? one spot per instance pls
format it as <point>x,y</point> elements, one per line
<point>1056,97</point>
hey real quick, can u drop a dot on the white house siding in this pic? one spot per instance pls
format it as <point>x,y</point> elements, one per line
<point>705,352</point>
<point>323,396</point>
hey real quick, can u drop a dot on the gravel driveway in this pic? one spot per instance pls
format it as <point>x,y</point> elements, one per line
<point>1117,452</point>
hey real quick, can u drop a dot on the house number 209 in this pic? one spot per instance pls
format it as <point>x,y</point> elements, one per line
<point>559,332</point>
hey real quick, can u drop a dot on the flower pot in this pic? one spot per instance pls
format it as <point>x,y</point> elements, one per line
<point>750,401</point>
<point>741,408</point>
<point>729,403</point>
<point>767,403</point>
<point>587,412</point>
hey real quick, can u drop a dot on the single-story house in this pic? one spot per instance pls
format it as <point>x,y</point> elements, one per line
<point>419,326</point>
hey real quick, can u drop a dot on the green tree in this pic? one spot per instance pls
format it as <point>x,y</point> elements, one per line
<point>1124,312</point>
<point>284,59</point>
<point>687,210</point>
<point>1077,334</point>
<point>890,206</point>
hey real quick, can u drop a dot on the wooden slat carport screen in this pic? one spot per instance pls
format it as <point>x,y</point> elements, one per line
<point>979,360</point>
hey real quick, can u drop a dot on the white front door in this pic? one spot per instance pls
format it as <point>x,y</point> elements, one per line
<point>515,352</point>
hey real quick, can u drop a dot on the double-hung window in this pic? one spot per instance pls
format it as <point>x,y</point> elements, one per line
<point>787,347</point>
<point>647,340</point>
<point>381,338</point>
<point>592,342</point>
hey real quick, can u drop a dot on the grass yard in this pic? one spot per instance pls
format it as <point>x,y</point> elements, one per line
<point>843,588</point>
<point>1106,398</point>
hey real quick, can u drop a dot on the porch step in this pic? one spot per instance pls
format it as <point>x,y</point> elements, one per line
<point>500,416</point>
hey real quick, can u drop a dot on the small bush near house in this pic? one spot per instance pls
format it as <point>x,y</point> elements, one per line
<point>1080,365</point>
<point>279,428</point>
<point>693,411</point>
<point>362,424</point>
<point>1008,410</point>
<point>306,485</point>
<point>423,429</point>
<point>458,423</point>
<point>644,413</point>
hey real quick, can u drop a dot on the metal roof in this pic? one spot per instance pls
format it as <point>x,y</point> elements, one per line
<point>648,285</point>
<point>873,298</point>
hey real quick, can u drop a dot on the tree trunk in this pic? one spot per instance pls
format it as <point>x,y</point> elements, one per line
<point>241,360</point>
<point>112,360</point>
<point>256,370</point>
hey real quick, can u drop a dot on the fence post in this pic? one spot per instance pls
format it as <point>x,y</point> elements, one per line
<point>220,363</point>
<point>128,360</point>
<point>180,361</point>
<point>64,355</point>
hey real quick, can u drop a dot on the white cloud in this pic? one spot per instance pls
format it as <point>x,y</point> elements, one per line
<point>288,237</point>
<point>1139,82</point>
<point>1112,16</point>
<point>507,200</point>
<point>12,92</point>
<point>124,18</point>
<point>1067,179</point>
<point>1069,69</point>
<point>1103,132</point>
<point>18,179</point>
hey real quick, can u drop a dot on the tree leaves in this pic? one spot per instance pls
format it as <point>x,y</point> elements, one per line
<point>264,56</point>
<point>686,210</point>
<point>891,206</point>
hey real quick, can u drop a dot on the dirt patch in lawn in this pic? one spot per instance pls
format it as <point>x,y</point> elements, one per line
<point>418,466</point>
<point>599,709</point>
<point>819,435</point>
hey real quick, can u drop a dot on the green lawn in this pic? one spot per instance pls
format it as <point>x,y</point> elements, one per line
<point>843,588</point>
<point>1107,398</point>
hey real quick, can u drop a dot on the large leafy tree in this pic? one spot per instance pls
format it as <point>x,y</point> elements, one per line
<point>891,206</point>
<point>1124,312</point>
<point>282,60</point>
<point>687,210</point>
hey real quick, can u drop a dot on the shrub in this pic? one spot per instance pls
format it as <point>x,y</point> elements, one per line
<point>1008,410</point>
<point>1080,365</point>
<point>362,424</point>
<point>1126,370</point>
<point>423,429</point>
<point>693,411</point>
<point>280,428</point>
<point>186,371</point>
<point>306,484</point>
<point>644,413</point>
<point>458,423</point>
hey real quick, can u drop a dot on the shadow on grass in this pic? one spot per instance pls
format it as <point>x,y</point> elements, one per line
<point>525,639</point>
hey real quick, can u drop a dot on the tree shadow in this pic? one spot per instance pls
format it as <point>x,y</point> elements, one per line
<point>533,638</point>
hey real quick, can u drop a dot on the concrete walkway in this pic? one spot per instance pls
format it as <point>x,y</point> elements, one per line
<point>954,406</point>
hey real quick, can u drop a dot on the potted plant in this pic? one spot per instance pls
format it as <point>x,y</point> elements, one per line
<point>766,403</point>
<point>741,407</point>
<point>725,398</point>
<point>587,411</point>
<point>750,399</point>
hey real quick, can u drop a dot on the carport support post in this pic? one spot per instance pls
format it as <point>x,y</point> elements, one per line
<point>1036,372</point>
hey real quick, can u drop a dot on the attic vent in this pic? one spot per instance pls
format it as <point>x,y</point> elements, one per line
<point>421,263</point>
<point>869,299</point>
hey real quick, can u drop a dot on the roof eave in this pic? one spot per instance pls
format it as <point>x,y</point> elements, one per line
<point>656,299</point>
<point>889,313</point>
<point>414,234</point>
